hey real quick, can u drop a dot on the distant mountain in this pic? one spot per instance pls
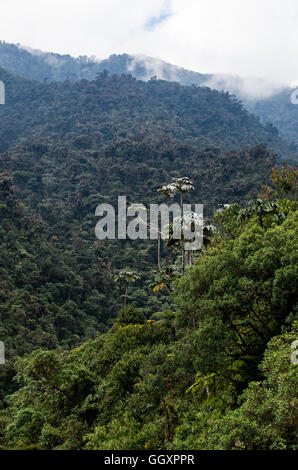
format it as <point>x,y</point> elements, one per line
<point>280,111</point>
<point>43,66</point>
<point>121,105</point>
<point>268,101</point>
<point>144,68</point>
<point>47,66</point>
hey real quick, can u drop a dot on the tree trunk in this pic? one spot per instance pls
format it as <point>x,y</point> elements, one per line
<point>125,295</point>
<point>261,219</point>
<point>158,251</point>
<point>182,259</point>
<point>182,253</point>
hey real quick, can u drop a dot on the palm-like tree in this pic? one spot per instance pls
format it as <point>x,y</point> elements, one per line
<point>181,186</point>
<point>127,277</point>
<point>261,209</point>
<point>138,207</point>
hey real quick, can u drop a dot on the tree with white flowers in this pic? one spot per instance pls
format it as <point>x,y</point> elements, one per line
<point>179,186</point>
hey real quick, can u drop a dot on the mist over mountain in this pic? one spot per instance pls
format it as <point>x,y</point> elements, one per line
<point>47,66</point>
<point>267,99</point>
<point>38,65</point>
<point>196,115</point>
<point>281,111</point>
<point>43,66</point>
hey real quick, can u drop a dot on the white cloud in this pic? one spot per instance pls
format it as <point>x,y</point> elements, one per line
<point>250,38</point>
<point>98,27</point>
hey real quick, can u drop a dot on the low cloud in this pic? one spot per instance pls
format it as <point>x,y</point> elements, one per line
<point>245,88</point>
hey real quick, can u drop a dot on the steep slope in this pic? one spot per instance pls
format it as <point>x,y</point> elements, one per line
<point>48,66</point>
<point>43,66</point>
<point>71,146</point>
<point>44,303</point>
<point>123,106</point>
<point>142,387</point>
<point>281,111</point>
<point>275,107</point>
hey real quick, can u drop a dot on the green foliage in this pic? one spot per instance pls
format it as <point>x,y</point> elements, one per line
<point>113,110</point>
<point>42,298</point>
<point>214,374</point>
<point>130,315</point>
<point>76,145</point>
<point>276,110</point>
<point>267,417</point>
<point>169,371</point>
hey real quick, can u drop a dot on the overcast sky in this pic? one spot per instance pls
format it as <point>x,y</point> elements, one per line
<point>251,38</point>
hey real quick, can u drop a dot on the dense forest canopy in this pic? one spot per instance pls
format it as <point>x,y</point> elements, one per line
<point>89,155</point>
<point>214,372</point>
<point>120,106</point>
<point>276,109</point>
<point>125,344</point>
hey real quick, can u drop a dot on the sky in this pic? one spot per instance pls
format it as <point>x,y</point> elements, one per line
<point>249,38</point>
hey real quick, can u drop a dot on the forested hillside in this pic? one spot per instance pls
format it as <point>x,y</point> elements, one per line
<point>277,109</point>
<point>47,66</point>
<point>86,146</point>
<point>120,106</point>
<point>215,372</point>
<point>280,110</point>
<point>45,302</point>
<point>169,355</point>
<point>44,66</point>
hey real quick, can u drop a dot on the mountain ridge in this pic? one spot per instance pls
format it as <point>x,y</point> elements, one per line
<point>270,101</point>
